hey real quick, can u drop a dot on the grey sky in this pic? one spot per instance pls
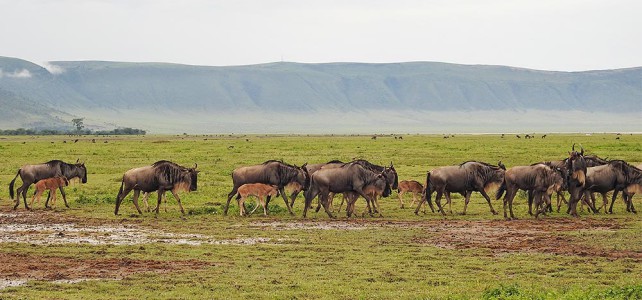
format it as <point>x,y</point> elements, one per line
<point>543,34</point>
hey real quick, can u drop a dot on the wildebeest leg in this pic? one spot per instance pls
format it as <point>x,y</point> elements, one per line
<point>400,195</point>
<point>324,200</point>
<point>239,201</point>
<point>285,198</point>
<point>312,192</point>
<point>449,202</point>
<point>530,202</point>
<point>137,193</point>
<point>293,197</point>
<point>560,199</point>
<point>145,198</point>
<point>508,198</point>
<point>53,199</point>
<point>229,198</point>
<point>177,200</point>
<point>438,202</point>
<point>466,200</point>
<point>492,210</point>
<point>629,202</point>
<point>64,197</point>
<point>264,204</point>
<point>36,194</point>
<point>22,190</point>
<point>120,197</point>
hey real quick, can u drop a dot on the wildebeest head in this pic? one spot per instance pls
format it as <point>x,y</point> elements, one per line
<point>386,182</point>
<point>303,177</point>
<point>393,178</point>
<point>193,174</point>
<point>82,171</point>
<point>576,167</point>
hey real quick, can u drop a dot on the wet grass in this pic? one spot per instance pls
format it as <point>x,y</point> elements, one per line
<point>378,262</point>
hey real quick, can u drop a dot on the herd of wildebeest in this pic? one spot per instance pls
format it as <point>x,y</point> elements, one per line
<point>580,175</point>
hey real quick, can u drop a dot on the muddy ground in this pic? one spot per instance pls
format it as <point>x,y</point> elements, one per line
<point>50,228</point>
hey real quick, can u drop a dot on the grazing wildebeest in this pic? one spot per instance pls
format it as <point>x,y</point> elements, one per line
<point>409,186</point>
<point>50,184</point>
<point>538,179</point>
<point>615,176</point>
<point>30,174</point>
<point>271,172</point>
<point>258,190</point>
<point>576,169</point>
<point>351,177</point>
<point>468,177</point>
<point>161,176</point>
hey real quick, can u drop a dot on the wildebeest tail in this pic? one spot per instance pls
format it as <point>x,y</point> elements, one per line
<point>118,199</point>
<point>428,186</point>
<point>501,190</point>
<point>11,184</point>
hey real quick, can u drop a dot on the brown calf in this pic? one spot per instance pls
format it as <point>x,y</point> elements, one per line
<point>260,191</point>
<point>50,184</point>
<point>409,186</point>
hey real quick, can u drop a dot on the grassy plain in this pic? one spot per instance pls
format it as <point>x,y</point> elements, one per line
<point>398,256</point>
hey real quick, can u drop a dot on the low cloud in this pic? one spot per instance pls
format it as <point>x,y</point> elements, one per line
<point>53,69</point>
<point>24,73</point>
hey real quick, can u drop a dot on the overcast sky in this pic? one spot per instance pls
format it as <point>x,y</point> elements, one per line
<point>564,35</point>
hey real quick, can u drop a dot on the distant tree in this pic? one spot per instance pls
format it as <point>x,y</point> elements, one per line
<point>78,123</point>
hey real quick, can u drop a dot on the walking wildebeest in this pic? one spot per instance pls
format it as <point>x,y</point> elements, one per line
<point>161,176</point>
<point>258,190</point>
<point>409,186</point>
<point>271,172</point>
<point>538,179</point>
<point>468,177</point>
<point>576,169</point>
<point>310,169</point>
<point>30,174</point>
<point>615,176</point>
<point>50,184</point>
<point>351,177</point>
<point>378,187</point>
<point>390,175</point>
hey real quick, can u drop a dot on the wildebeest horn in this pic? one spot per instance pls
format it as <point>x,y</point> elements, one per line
<point>501,165</point>
<point>195,166</point>
<point>582,153</point>
<point>573,146</point>
<point>77,160</point>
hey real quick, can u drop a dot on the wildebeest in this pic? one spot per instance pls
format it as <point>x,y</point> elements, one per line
<point>51,184</point>
<point>616,176</point>
<point>258,190</point>
<point>409,186</point>
<point>576,169</point>
<point>389,173</point>
<point>351,177</point>
<point>379,187</point>
<point>310,169</point>
<point>271,172</point>
<point>538,179</point>
<point>161,176</point>
<point>30,174</point>
<point>468,177</point>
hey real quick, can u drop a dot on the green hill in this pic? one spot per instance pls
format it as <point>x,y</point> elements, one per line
<point>337,97</point>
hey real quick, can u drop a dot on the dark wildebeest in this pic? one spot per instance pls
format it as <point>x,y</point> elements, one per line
<point>615,176</point>
<point>30,174</point>
<point>310,169</point>
<point>538,179</point>
<point>379,187</point>
<point>409,186</point>
<point>468,177</point>
<point>351,177</point>
<point>271,172</point>
<point>161,176</point>
<point>390,175</point>
<point>576,169</point>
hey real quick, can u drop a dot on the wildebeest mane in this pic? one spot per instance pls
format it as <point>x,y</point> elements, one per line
<point>335,161</point>
<point>55,163</point>
<point>171,172</point>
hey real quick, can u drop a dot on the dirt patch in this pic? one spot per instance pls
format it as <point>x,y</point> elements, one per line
<point>16,269</point>
<point>539,236</point>
<point>42,229</point>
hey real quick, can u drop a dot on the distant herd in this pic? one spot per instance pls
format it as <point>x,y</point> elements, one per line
<point>578,174</point>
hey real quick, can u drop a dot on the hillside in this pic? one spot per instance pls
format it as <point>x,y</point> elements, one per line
<point>334,97</point>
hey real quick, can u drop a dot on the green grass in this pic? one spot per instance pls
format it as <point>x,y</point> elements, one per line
<point>381,262</point>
